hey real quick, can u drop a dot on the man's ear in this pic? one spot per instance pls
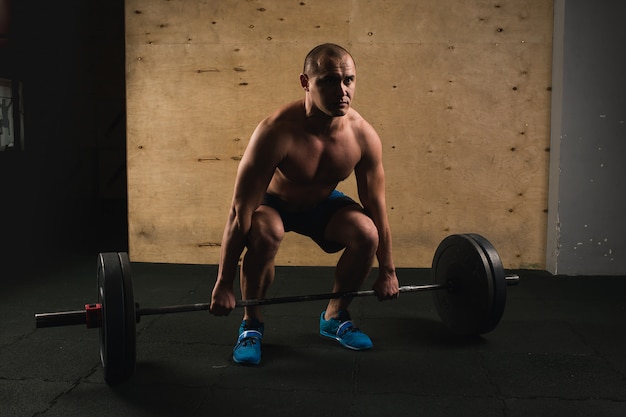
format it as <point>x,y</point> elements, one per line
<point>304,81</point>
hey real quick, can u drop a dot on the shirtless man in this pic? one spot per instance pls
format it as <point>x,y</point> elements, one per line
<point>286,182</point>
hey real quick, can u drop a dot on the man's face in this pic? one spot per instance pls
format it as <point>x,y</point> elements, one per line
<point>332,87</point>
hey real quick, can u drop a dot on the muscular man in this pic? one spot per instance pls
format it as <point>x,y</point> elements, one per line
<point>286,182</point>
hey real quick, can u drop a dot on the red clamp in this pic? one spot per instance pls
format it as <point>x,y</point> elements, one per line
<point>93,315</point>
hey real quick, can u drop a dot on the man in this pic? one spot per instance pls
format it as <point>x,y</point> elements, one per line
<point>286,182</point>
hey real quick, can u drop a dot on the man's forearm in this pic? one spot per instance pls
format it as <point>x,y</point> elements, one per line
<point>233,243</point>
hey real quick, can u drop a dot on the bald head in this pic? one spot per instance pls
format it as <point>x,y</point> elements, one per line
<point>314,58</point>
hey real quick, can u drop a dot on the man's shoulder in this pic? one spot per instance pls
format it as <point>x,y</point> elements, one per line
<point>289,113</point>
<point>360,126</point>
<point>356,120</point>
<point>282,124</point>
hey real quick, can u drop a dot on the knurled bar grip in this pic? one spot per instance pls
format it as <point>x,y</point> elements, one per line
<point>279,300</point>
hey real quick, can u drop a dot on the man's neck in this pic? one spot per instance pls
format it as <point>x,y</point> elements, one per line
<point>320,121</point>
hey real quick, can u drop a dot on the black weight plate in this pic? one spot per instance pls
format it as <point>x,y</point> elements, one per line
<point>117,334</point>
<point>461,265</point>
<point>130,314</point>
<point>499,282</point>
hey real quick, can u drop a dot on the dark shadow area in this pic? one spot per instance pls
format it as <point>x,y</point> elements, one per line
<point>64,188</point>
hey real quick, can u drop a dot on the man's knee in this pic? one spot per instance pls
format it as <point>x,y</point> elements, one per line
<point>365,236</point>
<point>265,236</point>
<point>370,235</point>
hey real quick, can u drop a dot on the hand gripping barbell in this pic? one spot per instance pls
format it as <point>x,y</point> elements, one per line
<point>469,288</point>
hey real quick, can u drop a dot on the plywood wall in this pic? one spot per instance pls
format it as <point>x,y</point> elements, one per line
<point>459,91</point>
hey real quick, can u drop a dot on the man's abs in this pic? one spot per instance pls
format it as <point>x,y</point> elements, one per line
<point>298,197</point>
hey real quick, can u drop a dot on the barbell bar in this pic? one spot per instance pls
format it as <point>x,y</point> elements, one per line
<point>469,291</point>
<point>90,316</point>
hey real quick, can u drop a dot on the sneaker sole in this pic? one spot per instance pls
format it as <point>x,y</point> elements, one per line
<point>238,362</point>
<point>341,342</point>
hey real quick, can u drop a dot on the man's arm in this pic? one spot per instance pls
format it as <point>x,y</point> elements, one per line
<point>253,177</point>
<point>370,176</point>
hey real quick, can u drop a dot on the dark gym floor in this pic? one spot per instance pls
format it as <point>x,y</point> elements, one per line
<point>560,350</point>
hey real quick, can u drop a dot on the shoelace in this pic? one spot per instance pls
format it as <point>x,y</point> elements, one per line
<point>248,340</point>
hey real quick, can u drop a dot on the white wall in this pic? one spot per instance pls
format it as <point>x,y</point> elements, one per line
<point>586,226</point>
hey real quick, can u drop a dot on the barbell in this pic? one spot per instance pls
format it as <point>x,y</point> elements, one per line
<point>469,287</point>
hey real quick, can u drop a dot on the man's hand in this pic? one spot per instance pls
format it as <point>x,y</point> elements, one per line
<point>222,300</point>
<point>386,286</point>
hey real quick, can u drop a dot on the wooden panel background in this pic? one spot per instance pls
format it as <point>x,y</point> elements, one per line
<point>459,91</point>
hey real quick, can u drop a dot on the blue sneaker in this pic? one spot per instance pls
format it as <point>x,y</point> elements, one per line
<point>344,331</point>
<point>247,351</point>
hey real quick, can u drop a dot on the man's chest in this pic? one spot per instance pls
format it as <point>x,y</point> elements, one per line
<point>323,161</point>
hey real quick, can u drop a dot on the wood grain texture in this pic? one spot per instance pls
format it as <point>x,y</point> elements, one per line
<point>459,92</point>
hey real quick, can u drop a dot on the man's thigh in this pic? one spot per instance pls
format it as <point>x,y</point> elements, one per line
<point>349,224</point>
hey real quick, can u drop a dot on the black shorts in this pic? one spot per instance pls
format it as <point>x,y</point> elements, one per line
<point>313,222</point>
